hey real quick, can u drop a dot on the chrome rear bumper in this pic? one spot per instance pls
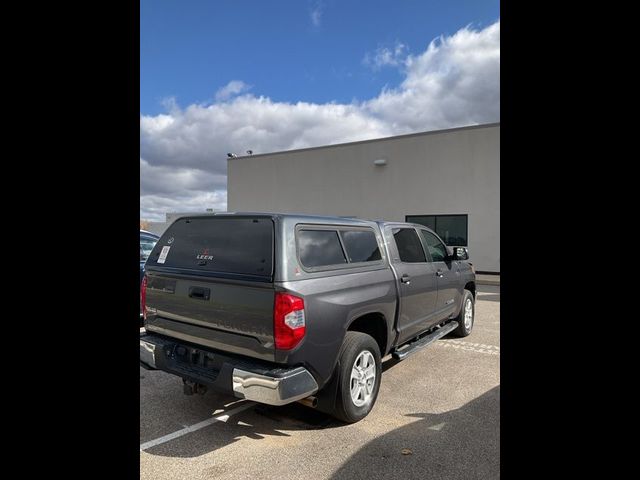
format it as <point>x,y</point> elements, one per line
<point>147,353</point>
<point>243,378</point>
<point>296,384</point>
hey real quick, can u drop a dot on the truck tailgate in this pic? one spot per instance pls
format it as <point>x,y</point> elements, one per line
<point>210,283</point>
<point>232,316</point>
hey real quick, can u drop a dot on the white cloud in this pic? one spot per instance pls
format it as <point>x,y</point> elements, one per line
<point>316,14</point>
<point>384,56</point>
<point>162,179</point>
<point>234,87</point>
<point>154,207</point>
<point>454,82</point>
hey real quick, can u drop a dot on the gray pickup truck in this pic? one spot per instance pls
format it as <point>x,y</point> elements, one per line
<point>278,308</point>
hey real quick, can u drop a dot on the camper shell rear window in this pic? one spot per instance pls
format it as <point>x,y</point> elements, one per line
<point>229,246</point>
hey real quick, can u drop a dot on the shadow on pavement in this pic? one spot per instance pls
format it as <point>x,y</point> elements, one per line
<point>460,444</point>
<point>257,422</point>
<point>389,363</point>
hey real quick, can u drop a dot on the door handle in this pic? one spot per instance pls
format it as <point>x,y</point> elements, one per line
<point>405,279</point>
<point>439,274</point>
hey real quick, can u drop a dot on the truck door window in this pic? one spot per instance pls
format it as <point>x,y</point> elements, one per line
<point>437,250</point>
<point>319,248</point>
<point>409,246</point>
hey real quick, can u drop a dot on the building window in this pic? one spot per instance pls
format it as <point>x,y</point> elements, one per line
<point>452,229</point>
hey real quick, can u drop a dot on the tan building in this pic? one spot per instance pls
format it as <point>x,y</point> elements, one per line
<point>448,180</point>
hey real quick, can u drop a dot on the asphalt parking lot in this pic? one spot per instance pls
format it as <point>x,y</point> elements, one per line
<point>437,416</point>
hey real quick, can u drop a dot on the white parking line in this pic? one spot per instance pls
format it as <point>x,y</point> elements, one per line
<point>197,426</point>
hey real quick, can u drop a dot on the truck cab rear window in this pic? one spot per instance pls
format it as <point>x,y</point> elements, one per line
<point>320,248</point>
<point>217,244</point>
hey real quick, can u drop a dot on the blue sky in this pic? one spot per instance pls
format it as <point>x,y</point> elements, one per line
<point>188,50</point>
<point>232,76</point>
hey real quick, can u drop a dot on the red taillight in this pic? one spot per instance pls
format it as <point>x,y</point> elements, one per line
<point>288,321</point>
<point>143,297</point>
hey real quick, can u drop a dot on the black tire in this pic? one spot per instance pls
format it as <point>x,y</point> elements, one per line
<point>462,330</point>
<point>353,345</point>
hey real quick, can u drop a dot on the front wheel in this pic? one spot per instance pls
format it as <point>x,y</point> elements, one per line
<point>467,315</point>
<point>360,372</point>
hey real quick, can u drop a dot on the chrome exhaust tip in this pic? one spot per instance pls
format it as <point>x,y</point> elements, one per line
<point>310,401</point>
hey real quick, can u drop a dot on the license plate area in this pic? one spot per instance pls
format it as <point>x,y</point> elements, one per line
<point>193,361</point>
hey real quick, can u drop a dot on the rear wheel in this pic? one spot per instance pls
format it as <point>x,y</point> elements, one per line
<point>359,373</point>
<point>467,315</point>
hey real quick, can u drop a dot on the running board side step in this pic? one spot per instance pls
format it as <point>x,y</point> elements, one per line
<point>412,347</point>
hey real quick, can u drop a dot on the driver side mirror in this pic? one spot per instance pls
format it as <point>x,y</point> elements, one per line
<point>460,253</point>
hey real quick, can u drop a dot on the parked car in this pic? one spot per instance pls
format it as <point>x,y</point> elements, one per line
<point>279,308</point>
<point>148,240</point>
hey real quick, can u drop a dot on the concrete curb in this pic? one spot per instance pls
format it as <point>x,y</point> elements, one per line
<point>488,280</point>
